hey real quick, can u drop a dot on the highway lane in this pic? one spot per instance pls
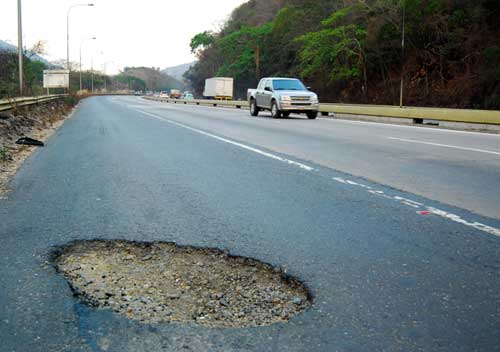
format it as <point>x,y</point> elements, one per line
<point>453,167</point>
<point>383,276</point>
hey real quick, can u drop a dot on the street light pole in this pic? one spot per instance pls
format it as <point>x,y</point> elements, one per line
<point>20,47</point>
<point>92,72</point>
<point>81,43</point>
<point>67,31</point>
<point>105,76</point>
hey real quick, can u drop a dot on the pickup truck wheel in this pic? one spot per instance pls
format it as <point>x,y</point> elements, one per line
<point>254,109</point>
<point>275,112</point>
<point>311,115</point>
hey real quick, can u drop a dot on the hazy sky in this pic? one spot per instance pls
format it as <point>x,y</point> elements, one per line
<point>129,33</point>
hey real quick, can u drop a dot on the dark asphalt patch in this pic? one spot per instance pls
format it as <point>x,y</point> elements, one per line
<point>161,282</point>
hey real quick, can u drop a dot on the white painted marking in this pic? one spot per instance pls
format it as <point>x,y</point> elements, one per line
<point>479,226</point>
<point>407,200</point>
<point>456,218</point>
<point>429,129</point>
<point>410,204</point>
<point>444,145</point>
<point>225,140</point>
<point>421,207</point>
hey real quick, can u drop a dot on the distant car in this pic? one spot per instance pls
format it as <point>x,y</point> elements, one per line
<point>164,95</point>
<point>283,96</point>
<point>175,94</point>
<point>188,96</point>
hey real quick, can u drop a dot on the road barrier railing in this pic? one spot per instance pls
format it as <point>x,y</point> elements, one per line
<point>489,117</point>
<point>8,104</point>
<point>417,114</point>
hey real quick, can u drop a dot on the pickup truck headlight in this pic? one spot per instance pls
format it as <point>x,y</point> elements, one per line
<point>314,99</point>
<point>285,98</point>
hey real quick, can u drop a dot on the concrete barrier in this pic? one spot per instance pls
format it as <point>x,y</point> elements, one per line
<point>413,114</point>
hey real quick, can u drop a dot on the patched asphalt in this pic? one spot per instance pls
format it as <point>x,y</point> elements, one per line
<point>383,277</point>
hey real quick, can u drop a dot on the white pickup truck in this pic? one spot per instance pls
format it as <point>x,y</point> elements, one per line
<point>283,96</point>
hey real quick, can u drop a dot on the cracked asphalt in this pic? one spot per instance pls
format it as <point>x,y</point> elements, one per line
<point>383,277</point>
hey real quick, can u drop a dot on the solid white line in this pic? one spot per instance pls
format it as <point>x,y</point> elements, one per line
<point>444,145</point>
<point>225,140</point>
<point>443,130</point>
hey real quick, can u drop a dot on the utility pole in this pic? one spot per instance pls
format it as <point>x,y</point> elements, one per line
<point>401,92</point>
<point>257,61</point>
<point>20,48</point>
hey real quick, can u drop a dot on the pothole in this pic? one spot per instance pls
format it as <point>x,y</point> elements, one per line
<point>161,282</point>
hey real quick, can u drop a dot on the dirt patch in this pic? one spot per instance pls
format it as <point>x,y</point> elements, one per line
<point>161,282</point>
<point>35,121</point>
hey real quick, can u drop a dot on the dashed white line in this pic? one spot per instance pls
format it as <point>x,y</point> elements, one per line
<point>422,207</point>
<point>444,145</point>
<point>225,140</point>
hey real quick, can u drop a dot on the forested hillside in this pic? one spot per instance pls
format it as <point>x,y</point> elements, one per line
<point>350,50</point>
<point>149,78</point>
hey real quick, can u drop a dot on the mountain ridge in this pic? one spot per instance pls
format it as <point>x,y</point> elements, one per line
<point>178,71</point>
<point>7,47</point>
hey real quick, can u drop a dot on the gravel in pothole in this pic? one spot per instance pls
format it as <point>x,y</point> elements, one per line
<point>160,282</point>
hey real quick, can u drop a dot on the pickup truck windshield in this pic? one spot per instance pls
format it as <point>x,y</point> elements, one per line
<point>288,84</point>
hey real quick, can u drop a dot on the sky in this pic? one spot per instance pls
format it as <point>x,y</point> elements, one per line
<point>151,33</point>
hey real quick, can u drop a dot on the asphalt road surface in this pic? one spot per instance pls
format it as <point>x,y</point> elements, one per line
<point>395,230</point>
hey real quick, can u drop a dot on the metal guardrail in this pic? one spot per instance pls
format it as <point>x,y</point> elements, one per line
<point>8,104</point>
<point>490,117</point>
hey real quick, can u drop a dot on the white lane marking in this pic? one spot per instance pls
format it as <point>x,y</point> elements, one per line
<point>339,120</point>
<point>443,130</point>
<point>444,145</point>
<point>225,140</point>
<point>479,226</point>
<point>422,207</point>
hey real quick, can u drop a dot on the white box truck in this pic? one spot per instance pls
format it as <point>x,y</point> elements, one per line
<point>220,88</point>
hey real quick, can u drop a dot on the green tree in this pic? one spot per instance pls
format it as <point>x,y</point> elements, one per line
<point>336,52</point>
<point>201,41</point>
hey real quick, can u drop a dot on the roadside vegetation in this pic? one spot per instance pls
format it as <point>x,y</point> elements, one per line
<point>350,50</point>
<point>9,72</point>
<point>132,78</point>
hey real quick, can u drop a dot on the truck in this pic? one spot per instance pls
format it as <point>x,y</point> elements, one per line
<point>175,94</point>
<point>220,88</point>
<point>283,96</point>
